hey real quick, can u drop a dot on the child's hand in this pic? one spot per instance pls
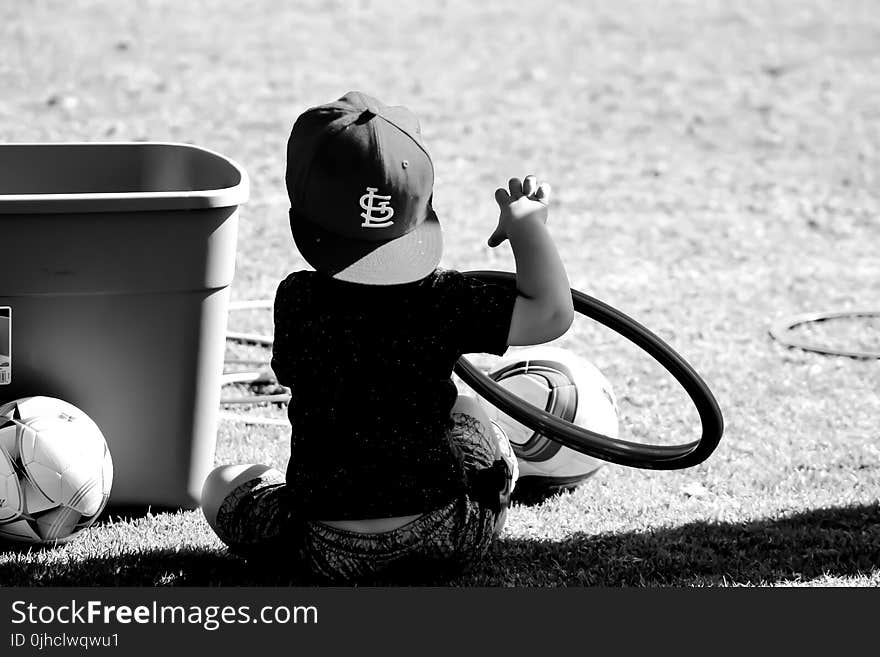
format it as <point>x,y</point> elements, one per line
<point>525,199</point>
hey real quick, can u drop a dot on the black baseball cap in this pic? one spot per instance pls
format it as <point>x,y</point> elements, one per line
<point>360,183</point>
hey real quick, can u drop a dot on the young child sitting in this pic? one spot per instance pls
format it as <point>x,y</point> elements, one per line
<point>390,470</point>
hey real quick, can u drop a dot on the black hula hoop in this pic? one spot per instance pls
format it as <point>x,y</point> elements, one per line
<point>780,328</point>
<point>636,455</point>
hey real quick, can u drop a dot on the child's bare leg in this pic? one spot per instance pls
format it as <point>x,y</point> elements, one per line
<point>250,509</point>
<point>469,405</point>
<point>221,482</point>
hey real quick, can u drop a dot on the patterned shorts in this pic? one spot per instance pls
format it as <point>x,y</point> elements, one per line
<point>256,521</point>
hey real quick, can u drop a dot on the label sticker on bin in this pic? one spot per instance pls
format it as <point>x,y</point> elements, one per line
<point>5,345</point>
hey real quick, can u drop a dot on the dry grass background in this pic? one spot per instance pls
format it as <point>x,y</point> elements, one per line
<point>715,167</point>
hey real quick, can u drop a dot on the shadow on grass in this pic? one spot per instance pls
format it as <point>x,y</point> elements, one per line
<point>838,542</point>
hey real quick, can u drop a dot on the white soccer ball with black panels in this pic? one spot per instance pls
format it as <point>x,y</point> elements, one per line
<point>55,470</point>
<point>567,386</point>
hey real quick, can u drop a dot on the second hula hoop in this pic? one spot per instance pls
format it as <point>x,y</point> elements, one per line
<point>780,331</point>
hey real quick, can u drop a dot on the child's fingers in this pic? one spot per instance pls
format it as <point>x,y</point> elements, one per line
<point>502,198</point>
<point>530,184</point>
<point>543,193</point>
<point>515,185</point>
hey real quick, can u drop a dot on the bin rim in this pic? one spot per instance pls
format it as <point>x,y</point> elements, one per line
<point>76,202</point>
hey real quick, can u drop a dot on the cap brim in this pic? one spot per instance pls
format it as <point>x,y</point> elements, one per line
<point>405,259</point>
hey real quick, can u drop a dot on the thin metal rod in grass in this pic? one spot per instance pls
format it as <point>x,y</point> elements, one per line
<point>781,329</point>
<point>254,419</point>
<point>250,304</point>
<point>263,375</point>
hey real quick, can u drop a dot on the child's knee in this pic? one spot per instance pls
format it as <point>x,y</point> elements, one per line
<point>223,480</point>
<point>471,406</point>
<point>468,405</point>
<point>484,447</point>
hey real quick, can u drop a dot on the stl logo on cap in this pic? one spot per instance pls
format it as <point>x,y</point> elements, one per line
<point>382,206</point>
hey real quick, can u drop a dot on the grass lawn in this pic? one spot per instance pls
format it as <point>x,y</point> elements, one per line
<point>714,168</point>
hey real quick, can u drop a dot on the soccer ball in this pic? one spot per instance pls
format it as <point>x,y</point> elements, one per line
<point>55,470</point>
<point>564,385</point>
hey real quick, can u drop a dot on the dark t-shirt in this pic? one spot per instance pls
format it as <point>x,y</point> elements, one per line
<point>369,369</point>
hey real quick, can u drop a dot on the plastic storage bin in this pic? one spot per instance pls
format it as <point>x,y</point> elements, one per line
<point>115,265</point>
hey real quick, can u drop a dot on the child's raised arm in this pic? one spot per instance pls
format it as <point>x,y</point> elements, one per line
<point>543,310</point>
